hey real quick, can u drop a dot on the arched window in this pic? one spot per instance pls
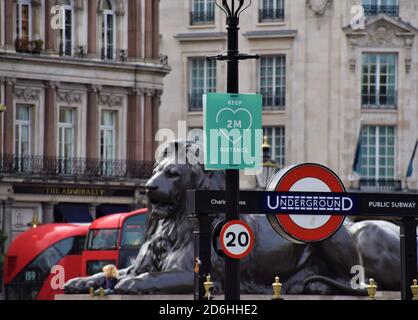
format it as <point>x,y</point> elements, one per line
<point>108,31</point>
<point>24,20</point>
<point>67,32</point>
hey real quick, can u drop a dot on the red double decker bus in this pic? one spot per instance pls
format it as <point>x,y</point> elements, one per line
<point>32,255</point>
<point>80,250</point>
<point>114,239</point>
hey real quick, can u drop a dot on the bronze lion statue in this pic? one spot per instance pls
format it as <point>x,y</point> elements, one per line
<point>165,263</point>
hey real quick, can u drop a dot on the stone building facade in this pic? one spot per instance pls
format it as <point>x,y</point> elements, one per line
<point>81,82</point>
<point>324,83</point>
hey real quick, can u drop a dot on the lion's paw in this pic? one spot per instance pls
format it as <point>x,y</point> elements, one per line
<point>129,286</point>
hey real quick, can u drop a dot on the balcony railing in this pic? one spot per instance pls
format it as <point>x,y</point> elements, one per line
<point>202,17</point>
<point>266,15</point>
<point>372,10</point>
<point>65,52</point>
<point>40,166</point>
<point>380,185</point>
<point>196,102</point>
<point>108,53</point>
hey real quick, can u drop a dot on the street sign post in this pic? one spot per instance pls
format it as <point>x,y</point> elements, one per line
<point>233,132</point>
<point>232,10</point>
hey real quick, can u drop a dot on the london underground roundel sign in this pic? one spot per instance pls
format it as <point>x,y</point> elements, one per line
<point>306,178</point>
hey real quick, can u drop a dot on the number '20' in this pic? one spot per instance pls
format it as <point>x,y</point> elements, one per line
<point>242,239</point>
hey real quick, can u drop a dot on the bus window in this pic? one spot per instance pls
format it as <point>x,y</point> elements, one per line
<point>96,266</point>
<point>103,239</point>
<point>27,284</point>
<point>133,233</point>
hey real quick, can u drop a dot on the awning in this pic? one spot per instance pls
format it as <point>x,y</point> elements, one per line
<point>74,213</point>
<point>106,209</point>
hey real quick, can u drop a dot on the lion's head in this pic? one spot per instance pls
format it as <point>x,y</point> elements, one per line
<point>169,239</point>
<point>179,168</point>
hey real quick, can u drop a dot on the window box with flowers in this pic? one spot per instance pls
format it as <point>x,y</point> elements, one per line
<point>26,46</point>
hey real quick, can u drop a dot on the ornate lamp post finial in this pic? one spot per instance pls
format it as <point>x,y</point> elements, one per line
<point>233,8</point>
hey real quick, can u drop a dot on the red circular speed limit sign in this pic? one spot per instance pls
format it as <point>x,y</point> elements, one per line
<point>306,178</point>
<point>237,239</point>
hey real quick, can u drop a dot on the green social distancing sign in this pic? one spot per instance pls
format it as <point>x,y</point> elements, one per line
<point>233,131</point>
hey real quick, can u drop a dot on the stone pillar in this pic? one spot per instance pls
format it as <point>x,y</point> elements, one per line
<point>92,29</point>
<point>149,29</point>
<point>2,82</point>
<point>134,30</point>
<point>156,29</point>
<point>47,213</point>
<point>156,116</point>
<point>8,116</point>
<point>7,222</point>
<point>51,119</point>
<point>93,122</point>
<point>93,210</point>
<point>149,137</point>
<point>134,126</point>
<point>8,24</point>
<point>50,41</point>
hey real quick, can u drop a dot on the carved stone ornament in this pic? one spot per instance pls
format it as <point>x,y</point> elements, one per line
<point>119,7</point>
<point>319,7</point>
<point>36,3</point>
<point>69,97</point>
<point>111,100</point>
<point>27,94</point>
<point>382,32</point>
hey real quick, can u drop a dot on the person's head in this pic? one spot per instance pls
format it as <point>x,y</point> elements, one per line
<point>110,271</point>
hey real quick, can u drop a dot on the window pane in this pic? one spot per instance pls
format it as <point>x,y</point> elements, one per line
<point>379,80</point>
<point>378,152</point>
<point>23,113</point>
<point>202,75</point>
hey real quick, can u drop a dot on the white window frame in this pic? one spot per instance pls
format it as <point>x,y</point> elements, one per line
<point>376,155</point>
<point>206,5</point>
<point>206,9</point>
<point>379,3</point>
<point>378,105</point>
<point>274,5</point>
<point>18,6</point>
<point>274,83</point>
<point>275,131</point>
<point>104,36</point>
<point>20,124</point>
<point>64,8</point>
<point>103,130</point>
<point>205,76</point>
<point>61,127</point>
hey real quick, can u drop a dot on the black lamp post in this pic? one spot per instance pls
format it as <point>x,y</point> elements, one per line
<point>232,10</point>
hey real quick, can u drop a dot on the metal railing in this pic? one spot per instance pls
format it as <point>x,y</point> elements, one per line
<point>107,54</point>
<point>372,10</point>
<point>266,15</point>
<point>380,185</point>
<point>42,166</point>
<point>202,17</point>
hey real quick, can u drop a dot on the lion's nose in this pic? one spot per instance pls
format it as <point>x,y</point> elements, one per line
<point>151,186</point>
